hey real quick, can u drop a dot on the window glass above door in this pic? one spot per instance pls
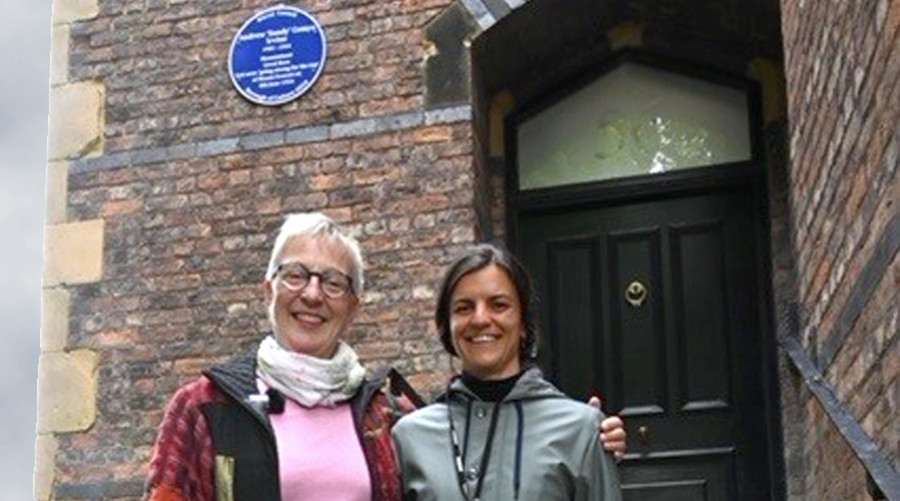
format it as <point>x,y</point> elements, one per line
<point>634,120</point>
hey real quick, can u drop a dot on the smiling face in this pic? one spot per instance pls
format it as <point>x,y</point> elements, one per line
<point>486,323</point>
<point>306,320</point>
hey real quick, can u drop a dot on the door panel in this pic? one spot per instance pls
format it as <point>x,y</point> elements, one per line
<point>637,331</point>
<point>569,260</point>
<point>701,476</point>
<point>700,299</point>
<point>653,305</point>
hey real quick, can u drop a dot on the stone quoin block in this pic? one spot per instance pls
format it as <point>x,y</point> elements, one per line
<point>67,391</point>
<point>66,11</point>
<point>56,190</point>
<point>54,319</point>
<point>59,54</point>
<point>73,253</point>
<point>45,447</point>
<point>76,120</point>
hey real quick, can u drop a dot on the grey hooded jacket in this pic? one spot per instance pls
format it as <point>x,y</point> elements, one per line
<point>545,447</point>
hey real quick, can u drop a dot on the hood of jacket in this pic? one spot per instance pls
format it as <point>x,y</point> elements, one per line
<point>531,385</point>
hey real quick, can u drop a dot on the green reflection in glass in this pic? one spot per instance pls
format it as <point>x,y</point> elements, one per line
<point>627,146</point>
<point>633,121</point>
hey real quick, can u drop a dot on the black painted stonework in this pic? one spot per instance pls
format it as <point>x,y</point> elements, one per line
<point>498,8</point>
<point>447,73</point>
<point>872,274</point>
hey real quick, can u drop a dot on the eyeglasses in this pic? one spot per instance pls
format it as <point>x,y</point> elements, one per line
<point>296,276</point>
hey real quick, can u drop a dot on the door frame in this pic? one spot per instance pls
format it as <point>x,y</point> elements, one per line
<point>751,174</point>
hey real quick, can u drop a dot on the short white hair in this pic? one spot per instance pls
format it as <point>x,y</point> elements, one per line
<point>317,225</point>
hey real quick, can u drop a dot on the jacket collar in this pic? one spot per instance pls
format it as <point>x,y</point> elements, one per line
<point>531,385</point>
<point>237,376</point>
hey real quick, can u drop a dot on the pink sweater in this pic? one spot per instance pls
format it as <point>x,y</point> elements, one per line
<point>319,454</point>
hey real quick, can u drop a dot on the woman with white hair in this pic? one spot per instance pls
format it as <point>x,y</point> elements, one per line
<point>297,418</point>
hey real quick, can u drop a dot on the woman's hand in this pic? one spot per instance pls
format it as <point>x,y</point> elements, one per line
<point>612,433</point>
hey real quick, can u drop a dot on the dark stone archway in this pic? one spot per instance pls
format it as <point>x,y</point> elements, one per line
<point>520,50</point>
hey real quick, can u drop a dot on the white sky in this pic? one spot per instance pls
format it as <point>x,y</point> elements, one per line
<point>24,74</point>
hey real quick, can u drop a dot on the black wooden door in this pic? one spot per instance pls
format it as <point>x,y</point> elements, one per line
<point>654,305</point>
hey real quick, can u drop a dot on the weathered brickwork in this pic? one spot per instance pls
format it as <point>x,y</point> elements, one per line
<point>820,450</point>
<point>843,86</point>
<point>187,246</point>
<point>164,66</point>
<point>191,182</point>
<point>834,469</point>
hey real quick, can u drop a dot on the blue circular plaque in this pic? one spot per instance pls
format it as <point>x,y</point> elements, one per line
<point>277,55</point>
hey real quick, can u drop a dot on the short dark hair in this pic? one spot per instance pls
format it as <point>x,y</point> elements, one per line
<point>477,258</point>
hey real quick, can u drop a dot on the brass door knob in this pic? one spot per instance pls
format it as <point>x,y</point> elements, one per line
<point>636,293</point>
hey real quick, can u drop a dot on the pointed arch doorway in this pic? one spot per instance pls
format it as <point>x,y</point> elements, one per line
<point>633,196</point>
<point>648,234</point>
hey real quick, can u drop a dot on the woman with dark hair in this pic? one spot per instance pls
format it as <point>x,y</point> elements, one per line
<point>501,432</point>
<point>297,417</point>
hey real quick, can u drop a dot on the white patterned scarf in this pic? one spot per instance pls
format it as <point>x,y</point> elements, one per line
<point>310,380</point>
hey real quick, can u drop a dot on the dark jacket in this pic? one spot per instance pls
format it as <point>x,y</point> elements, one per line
<point>213,444</point>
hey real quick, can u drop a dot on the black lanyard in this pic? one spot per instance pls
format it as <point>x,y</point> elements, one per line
<point>459,459</point>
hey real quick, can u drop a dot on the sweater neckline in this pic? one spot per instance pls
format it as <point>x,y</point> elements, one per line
<point>490,390</point>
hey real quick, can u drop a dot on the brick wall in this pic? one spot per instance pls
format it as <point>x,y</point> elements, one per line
<point>842,65</point>
<point>187,243</point>
<point>188,182</point>
<point>164,64</point>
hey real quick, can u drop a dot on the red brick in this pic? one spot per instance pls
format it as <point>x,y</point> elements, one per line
<point>121,207</point>
<point>432,134</point>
